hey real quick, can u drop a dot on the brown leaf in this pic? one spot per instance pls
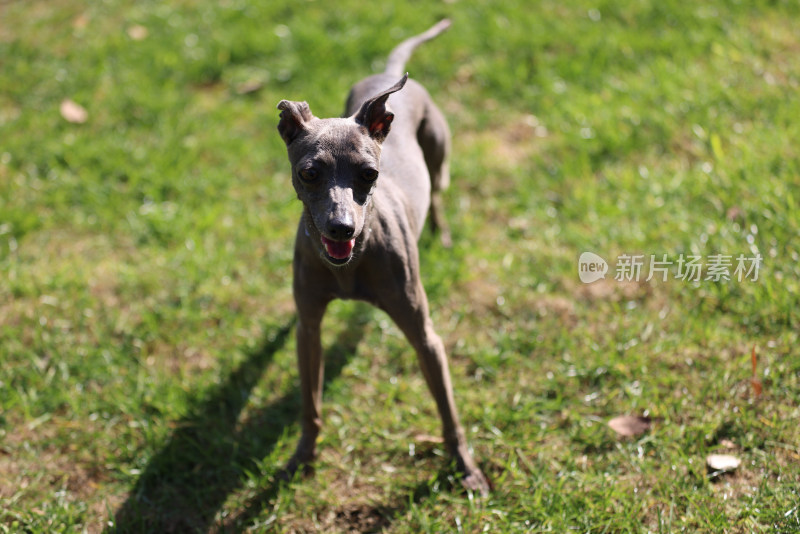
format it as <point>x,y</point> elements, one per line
<point>630,425</point>
<point>81,21</point>
<point>137,32</point>
<point>754,381</point>
<point>424,438</point>
<point>734,213</point>
<point>250,86</point>
<point>722,462</point>
<point>73,112</point>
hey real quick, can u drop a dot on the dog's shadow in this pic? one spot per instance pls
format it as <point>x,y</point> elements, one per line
<point>207,457</point>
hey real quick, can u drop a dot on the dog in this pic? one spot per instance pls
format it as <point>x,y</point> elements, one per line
<point>365,194</point>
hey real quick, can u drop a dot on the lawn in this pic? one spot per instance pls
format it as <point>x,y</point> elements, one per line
<point>147,219</point>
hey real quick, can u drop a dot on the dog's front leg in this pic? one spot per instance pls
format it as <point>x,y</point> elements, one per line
<point>412,316</point>
<point>311,370</point>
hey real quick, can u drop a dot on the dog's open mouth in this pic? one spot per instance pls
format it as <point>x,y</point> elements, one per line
<point>338,252</point>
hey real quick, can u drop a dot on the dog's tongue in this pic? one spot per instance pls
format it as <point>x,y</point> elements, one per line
<point>339,250</point>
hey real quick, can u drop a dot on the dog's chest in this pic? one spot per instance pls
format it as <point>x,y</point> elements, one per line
<point>349,285</point>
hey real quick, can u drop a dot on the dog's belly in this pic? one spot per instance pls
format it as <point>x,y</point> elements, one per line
<point>409,174</point>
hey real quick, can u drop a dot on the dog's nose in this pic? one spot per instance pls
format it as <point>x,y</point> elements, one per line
<point>341,228</point>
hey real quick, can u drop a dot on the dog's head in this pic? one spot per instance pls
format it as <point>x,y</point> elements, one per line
<point>335,166</point>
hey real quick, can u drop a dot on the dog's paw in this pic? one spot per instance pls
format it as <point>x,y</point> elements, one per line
<point>446,239</point>
<point>295,464</point>
<point>474,480</point>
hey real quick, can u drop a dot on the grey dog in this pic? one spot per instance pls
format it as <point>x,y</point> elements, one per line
<point>365,198</point>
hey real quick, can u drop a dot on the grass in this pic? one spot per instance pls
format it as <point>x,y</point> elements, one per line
<point>148,378</point>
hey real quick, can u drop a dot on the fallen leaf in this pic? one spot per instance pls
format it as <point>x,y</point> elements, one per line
<point>722,462</point>
<point>734,213</point>
<point>250,86</point>
<point>630,425</point>
<point>73,112</point>
<point>137,32</point>
<point>80,22</point>
<point>424,438</point>
<point>754,381</point>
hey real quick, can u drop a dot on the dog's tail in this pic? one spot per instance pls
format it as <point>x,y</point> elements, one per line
<point>396,64</point>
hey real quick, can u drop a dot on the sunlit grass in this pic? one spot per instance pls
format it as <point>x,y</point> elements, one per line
<point>148,378</point>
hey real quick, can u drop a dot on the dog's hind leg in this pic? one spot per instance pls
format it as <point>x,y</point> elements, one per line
<point>433,136</point>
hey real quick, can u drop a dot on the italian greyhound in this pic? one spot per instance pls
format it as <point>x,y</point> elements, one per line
<point>365,196</point>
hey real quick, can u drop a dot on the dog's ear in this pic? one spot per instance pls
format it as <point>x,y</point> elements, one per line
<point>375,116</point>
<point>294,117</point>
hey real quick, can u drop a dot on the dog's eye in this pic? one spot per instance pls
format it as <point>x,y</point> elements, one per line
<point>309,175</point>
<point>370,175</point>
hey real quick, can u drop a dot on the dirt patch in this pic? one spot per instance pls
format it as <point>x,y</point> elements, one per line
<point>35,474</point>
<point>509,145</point>
<point>556,306</point>
<point>482,294</point>
<point>351,517</point>
<point>613,290</point>
<point>360,518</point>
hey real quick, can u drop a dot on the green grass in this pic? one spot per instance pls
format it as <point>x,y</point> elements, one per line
<point>147,368</point>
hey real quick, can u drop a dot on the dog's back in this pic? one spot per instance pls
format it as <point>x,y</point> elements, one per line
<point>414,156</point>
